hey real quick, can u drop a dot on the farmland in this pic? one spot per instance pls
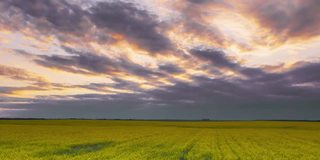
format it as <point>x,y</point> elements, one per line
<point>107,139</point>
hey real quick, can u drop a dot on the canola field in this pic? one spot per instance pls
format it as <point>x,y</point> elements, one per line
<point>140,140</point>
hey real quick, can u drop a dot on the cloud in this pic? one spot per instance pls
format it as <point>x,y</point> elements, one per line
<point>11,109</point>
<point>213,98</point>
<point>91,63</point>
<point>60,14</point>
<point>203,30</point>
<point>271,96</point>
<point>259,86</point>
<point>19,74</point>
<point>217,57</point>
<point>120,86</point>
<point>156,64</point>
<point>8,112</point>
<point>288,19</point>
<point>136,24</point>
<point>219,60</point>
<point>205,1</point>
<point>170,68</point>
<point>308,72</point>
<point>11,90</point>
<point>198,22</point>
<point>83,63</point>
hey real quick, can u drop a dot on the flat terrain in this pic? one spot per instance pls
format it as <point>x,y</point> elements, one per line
<point>99,140</point>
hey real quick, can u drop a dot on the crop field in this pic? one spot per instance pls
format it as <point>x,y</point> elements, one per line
<point>106,139</point>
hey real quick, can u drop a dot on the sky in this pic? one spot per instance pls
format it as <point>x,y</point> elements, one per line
<point>160,59</point>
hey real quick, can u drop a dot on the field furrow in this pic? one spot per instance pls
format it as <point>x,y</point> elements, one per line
<point>156,140</point>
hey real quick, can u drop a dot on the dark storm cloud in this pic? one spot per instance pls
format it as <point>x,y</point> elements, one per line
<point>136,24</point>
<point>288,18</point>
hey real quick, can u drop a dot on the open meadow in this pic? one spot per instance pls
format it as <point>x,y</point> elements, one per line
<point>108,139</point>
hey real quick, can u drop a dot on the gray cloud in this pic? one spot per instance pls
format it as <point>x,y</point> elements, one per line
<point>60,14</point>
<point>289,19</point>
<point>204,101</point>
<point>136,24</point>
<point>90,63</point>
<point>291,94</point>
<point>170,68</point>
<point>119,84</point>
<point>217,57</point>
<point>219,60</point>
<point>18,74</point>
<point>82,63</point>
<point>261,89</point>
<point>205,1</point>
<point>308,72</point>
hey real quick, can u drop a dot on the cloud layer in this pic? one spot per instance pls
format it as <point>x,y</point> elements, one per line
<point>186,59</point>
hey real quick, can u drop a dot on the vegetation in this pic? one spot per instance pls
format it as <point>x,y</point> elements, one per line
<point>106,139</point>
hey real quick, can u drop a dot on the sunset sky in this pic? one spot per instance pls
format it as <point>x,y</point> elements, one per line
<point>160,59</point>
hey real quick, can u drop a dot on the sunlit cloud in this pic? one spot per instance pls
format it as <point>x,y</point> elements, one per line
<point>190,55</point>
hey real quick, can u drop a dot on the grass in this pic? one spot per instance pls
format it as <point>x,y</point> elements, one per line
<point>99,140</point>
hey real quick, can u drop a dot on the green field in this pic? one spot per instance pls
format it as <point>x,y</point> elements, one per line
<point>99,140</point>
